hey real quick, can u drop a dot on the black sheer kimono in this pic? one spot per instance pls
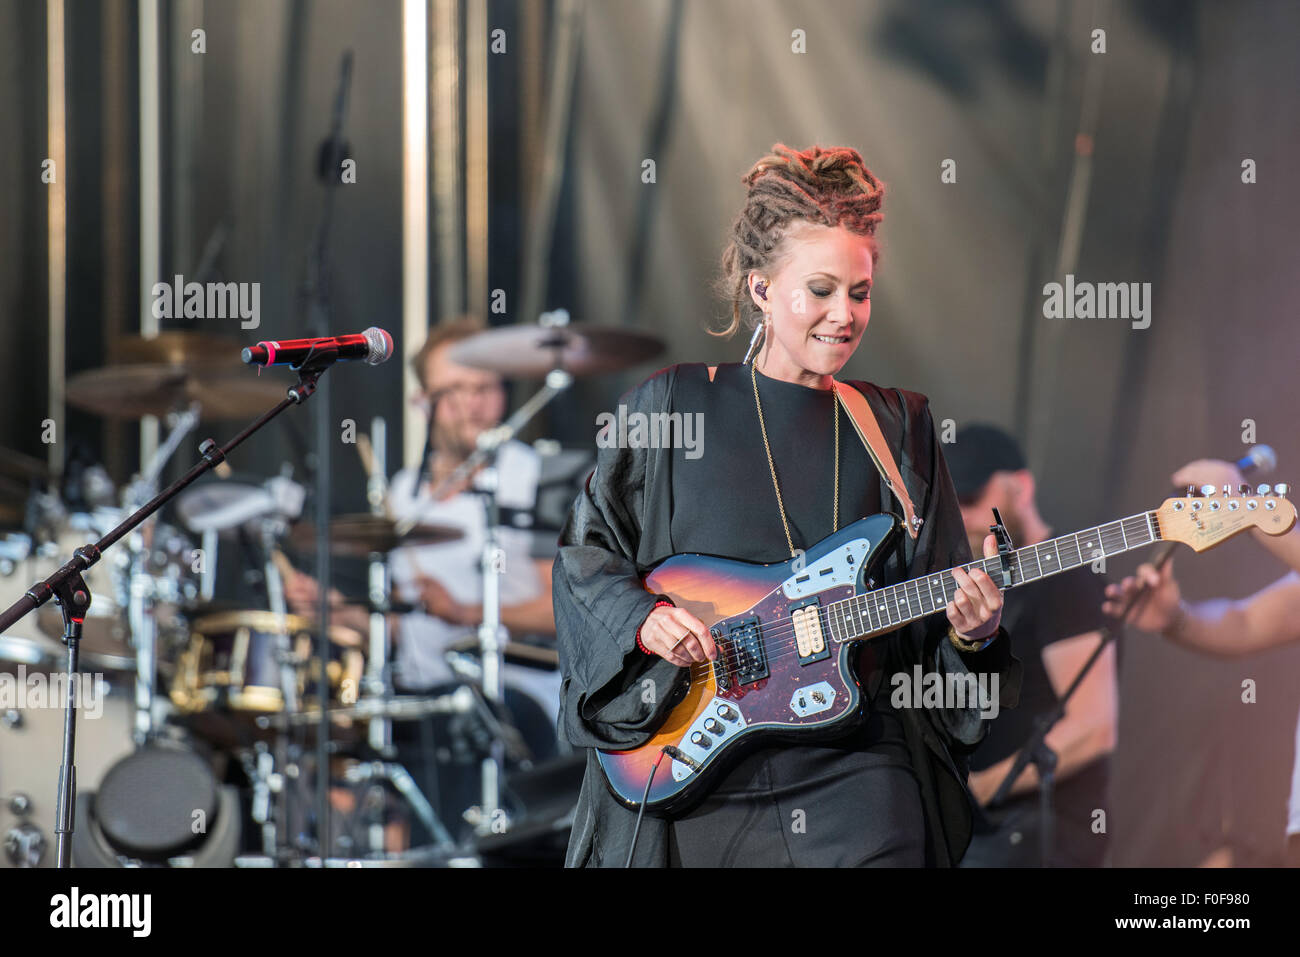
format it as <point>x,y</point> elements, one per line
<point>619,530</point>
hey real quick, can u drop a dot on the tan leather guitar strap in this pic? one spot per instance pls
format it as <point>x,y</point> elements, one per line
<point>868,429</point>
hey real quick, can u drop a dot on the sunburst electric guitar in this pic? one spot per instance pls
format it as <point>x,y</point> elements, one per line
<point>785,631</point>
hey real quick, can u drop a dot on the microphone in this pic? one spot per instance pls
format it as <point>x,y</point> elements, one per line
<point>1261,458</point>
<point>372,347</point>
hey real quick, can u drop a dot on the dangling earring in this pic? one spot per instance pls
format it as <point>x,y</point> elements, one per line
<point>759,329</point>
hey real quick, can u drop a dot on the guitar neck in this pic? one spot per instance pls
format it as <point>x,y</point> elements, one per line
<point>885,609</point>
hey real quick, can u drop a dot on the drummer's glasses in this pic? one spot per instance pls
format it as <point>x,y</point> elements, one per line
<point>465,391</point>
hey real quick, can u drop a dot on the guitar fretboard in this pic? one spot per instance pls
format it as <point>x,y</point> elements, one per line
<point>896,605</point>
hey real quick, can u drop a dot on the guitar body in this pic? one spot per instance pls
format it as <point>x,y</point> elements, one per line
<point>784,676</point>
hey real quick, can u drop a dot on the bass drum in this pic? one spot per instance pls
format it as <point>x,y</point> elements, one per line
<point>157,807</point>
<point>31,740</point>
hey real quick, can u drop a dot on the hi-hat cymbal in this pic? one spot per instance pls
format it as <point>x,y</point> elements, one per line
<point>134,391</point>
<point>356,536</point>
<point>532,351</point>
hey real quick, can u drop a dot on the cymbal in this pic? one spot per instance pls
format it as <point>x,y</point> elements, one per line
<point>529,351</point>
<point>177,349</point>
<point>356,536</point>
<point>134,391</point>
<point>22,465</point>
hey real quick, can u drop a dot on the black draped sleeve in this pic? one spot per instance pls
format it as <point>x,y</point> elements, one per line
<point>613,694</point>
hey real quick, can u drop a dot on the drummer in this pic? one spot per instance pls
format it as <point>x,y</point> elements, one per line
<point>445,582</point>
<point>444,579</point>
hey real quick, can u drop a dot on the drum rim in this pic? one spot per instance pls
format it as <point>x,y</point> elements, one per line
<point>259,619</point>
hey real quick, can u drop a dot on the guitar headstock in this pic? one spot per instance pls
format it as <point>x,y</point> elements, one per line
<point>1206,516</point>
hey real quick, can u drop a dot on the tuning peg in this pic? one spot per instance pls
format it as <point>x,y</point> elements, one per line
<point>1207,490</point>
<point>1192,491</point>
<point>1281,488</point>
<point>1264,489</point>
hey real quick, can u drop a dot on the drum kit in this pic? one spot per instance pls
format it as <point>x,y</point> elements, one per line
<point>202,753</point>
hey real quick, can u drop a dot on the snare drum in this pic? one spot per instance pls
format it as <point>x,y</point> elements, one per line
<point>233,662</point>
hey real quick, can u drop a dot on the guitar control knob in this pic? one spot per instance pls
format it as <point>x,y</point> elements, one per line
<point>727,713</point>
<point>713,726</point>
<point>700,740</point>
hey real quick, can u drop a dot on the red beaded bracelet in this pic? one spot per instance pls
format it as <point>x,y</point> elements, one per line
<point>638,631</point>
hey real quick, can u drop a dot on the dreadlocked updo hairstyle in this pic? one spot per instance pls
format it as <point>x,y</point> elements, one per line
<point>828,187</point>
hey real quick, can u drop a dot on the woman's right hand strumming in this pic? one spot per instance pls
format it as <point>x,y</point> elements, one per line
<point>676,635</point>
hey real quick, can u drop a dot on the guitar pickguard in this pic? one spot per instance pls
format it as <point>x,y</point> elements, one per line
<point>840,567</point>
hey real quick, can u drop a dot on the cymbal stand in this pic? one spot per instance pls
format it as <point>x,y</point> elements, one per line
<point>377,682</point>
<point>492,566</point>
<point>141,586</point>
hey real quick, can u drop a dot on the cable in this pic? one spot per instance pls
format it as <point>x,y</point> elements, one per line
<point>636,831</point>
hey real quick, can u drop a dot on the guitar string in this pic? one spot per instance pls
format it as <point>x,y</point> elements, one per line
<point>777,637</point>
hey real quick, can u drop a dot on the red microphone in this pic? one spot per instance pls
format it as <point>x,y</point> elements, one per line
<point>372,347</point>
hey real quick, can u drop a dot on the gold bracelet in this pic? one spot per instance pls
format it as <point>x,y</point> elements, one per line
<point>969,647</point>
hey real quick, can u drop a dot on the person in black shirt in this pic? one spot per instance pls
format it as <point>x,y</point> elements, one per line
<point>1056,623</point>
<point>775,451</point>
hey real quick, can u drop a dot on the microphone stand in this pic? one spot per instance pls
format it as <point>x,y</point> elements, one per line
<point>1036,750</point>
<point>68,588</point>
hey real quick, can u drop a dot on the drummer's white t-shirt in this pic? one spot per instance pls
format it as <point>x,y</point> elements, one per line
<point>422,640</point>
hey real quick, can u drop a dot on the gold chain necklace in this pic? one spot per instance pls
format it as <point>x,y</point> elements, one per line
<point>835,413</point>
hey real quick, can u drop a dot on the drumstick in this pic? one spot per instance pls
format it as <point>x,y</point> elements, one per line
<point>367,453</point>
<point>282,564</point>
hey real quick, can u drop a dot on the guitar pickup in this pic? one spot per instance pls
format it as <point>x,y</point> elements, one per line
<point>808,635</point>
<point>746,656</point>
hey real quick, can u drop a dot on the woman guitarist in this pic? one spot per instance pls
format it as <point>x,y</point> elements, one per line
<point>779,468</point>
